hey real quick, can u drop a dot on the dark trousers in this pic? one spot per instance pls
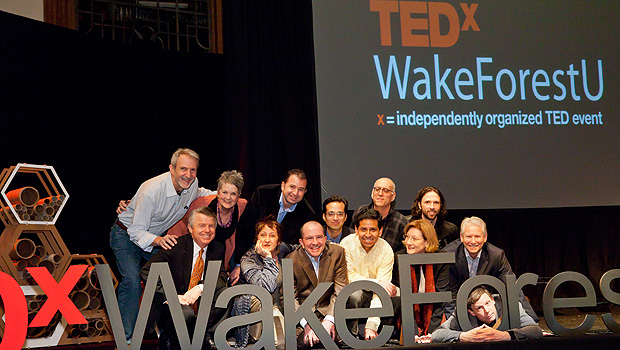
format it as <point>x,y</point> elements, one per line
<point>362,299</point>
<point>168,338</point>
<point>359,299</point>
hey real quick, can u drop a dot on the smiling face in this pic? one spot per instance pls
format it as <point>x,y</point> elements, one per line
<point>484,309</point>
<point>430,206</point>
<point>335,216</point>
<point>184,173</point>
<point>383,193</point>
<point>313,239</point>
<point>293,190</point>
<point>368,233</point>
<point>414,241</point>
<point>473,238</point>
<point>268,239</point>
<point>202,229</point>
<point>228,195</point>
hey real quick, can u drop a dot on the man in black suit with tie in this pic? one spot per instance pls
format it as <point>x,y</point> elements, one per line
<point>188,261</point>
<point>475,256</point>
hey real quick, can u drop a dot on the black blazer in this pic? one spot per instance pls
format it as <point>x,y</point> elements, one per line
<point>180,261</point>
<point>264,202</point>
<point>493,262</point>
<point>447,232</point>
<point>345,231</point>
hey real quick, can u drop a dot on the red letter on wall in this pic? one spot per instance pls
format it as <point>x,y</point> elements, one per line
<point>15,313</point>
<point>57,295</point>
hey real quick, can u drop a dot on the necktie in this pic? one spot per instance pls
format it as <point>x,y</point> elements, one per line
<point>197,276</point>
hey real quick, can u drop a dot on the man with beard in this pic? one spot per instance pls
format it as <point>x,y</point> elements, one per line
<point>429,204</point>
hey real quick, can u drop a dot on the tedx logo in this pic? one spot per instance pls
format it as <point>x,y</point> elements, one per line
<point>421,22</point>
<point>16,311</point>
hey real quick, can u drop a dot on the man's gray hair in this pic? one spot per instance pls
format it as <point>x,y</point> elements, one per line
<point>185,151</point>
<point>474,221</point>
<point>202,210</point>
<point>232,177</point>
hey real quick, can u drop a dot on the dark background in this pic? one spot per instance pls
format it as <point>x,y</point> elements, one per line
<point>108,117</point>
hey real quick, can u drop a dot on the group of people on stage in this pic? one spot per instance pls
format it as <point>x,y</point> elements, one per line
<point>171,219</point>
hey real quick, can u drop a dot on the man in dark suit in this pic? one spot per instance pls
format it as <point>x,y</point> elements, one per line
<point>316,261</point>
<point>284,201</point>
<point>188,261</point>
<point>475,256</point>
<point>334,215</point>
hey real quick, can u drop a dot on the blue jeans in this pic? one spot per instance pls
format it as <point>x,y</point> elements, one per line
<point>128,256</point>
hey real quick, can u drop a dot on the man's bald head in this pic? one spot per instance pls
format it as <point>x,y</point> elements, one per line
<point>383,193</point>
<point>313,238</point>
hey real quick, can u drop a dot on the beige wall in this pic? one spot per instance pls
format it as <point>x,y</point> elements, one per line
<point>27,8</point>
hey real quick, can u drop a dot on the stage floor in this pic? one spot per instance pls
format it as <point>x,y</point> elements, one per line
<point>598,338</point>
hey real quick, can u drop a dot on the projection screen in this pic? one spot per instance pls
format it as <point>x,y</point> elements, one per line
<point>500,104</point>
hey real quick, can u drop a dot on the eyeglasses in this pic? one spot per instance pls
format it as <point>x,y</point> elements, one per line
<point>331,214</point>
<point>314,238</point>
<point>379,190</point>
<point>415,239</point>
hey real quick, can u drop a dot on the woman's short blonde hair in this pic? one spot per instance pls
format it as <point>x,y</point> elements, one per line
<point>428,232</point>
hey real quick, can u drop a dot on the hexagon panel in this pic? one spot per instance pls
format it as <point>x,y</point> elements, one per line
<point>25,246</point>
<point>31,194</point>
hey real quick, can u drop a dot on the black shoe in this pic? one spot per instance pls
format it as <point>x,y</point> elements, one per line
<point>165,343</point>
<point>208,344</point>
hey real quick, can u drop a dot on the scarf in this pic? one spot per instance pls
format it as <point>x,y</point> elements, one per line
<point>423,313</point>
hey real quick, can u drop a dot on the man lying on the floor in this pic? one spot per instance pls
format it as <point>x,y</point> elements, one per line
<point>485,312</point>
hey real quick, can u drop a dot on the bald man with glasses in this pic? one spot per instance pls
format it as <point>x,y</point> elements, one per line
<point>383,196</point>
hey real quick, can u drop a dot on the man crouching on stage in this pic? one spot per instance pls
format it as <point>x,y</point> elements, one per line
<point>188,261</point>
<point>486,312</point>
